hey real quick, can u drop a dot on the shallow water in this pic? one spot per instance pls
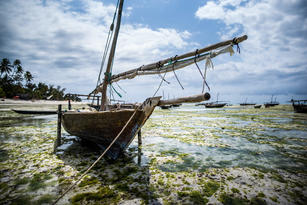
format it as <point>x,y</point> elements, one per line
<point>190,155</point>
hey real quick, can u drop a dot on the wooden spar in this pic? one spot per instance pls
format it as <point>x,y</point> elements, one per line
<point>154,66</point>
<point>190,99</point>
<point>164,69</point>
<point>110,60</point>
<point>193,53</point>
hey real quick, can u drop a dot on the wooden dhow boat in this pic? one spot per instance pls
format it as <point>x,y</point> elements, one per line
<point>272,103</point>
<point>247,103</point>
<point>116,126</point>
<point>299,106</point>
<point>215,105</point>
<point>36,112</point>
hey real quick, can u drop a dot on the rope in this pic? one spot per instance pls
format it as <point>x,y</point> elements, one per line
<point>107,46</point>
<point>120,88</point>
<point>163,78</point>
<point>176,75</point>
<point>115,91</point>
<point>159,86</point>
<point>234,41</point>
<point>83,175</point>
<point>203,76</point>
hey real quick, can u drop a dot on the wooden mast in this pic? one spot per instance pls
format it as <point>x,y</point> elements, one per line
<point>107,76</point>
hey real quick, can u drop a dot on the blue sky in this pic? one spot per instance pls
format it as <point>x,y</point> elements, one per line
<point>61,43</point>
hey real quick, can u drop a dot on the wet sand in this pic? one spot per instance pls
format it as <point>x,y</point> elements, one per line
<point>190,155</point>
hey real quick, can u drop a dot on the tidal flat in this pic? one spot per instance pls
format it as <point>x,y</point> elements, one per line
<point>189,155</point>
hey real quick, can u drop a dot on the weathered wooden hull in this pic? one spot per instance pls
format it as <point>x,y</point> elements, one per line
<point>36,112</point>
<point>267,105</point>
<point>220,105</point>
<point>103,127</point>
<point>300,108</point>
<point>247,104</point>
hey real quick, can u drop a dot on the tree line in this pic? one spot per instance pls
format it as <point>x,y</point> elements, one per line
<point>15,81</point>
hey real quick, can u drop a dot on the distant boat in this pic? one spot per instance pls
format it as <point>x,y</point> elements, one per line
<point>170,106</point>
<point>36,112</point>
<point>176,105</point>
<point>299,105</point>
<point>257,106</point>
<point>272,103</point>
<point>165,107</point>
<point>246,103</point>
<point>216,104</point>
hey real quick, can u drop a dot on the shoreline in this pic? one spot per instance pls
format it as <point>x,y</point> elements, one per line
<point>38,102</point>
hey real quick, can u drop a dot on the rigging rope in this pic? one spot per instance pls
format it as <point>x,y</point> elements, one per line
<point>175,73</point>
<point>159,86</point>
<point>107,46</point>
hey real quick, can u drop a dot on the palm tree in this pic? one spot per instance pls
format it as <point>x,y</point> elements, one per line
<point>5,66</point>
<point>17,64</point>
<point>28,76</point>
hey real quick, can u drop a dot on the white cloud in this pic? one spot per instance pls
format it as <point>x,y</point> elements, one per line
<point>277,31</point>
<point>62,44</point>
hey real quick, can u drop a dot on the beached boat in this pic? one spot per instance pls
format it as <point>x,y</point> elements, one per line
<point>299,105</point>
<point>36,112</point>
<point>216,104</point>
<point>177,105</point>
<point>165,107</point>
<point>247,103</point>
<point>271,104</point>
<point>117,126</point>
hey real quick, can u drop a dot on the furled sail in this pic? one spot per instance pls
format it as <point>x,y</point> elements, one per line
<point>177,62</point>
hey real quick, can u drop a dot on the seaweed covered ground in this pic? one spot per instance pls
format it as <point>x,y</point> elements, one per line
<point>190,155</point>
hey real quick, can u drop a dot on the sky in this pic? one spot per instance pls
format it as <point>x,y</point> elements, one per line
<point>61,43</point>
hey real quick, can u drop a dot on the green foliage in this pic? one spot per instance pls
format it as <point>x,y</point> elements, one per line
<point>14,81</point>
<point>2,93</point>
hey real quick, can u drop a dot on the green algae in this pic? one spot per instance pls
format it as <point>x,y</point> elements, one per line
<point>209,187</point>
<point>197,198</point>
<point>235,190</point>
<point>45,199</point>
<point>170,169</point>
<point>22,200</point>
<point>231,200</point>
<point>88,181</point>
<point>37,181</point>
<point>105,195</point>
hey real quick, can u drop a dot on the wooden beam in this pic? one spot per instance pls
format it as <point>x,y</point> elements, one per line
<point>190,99</point>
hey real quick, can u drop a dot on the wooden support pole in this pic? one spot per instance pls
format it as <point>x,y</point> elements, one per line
<point>139,138</point>
<point>69,104</point>
<point>139,147</point>
<point>59,133</point>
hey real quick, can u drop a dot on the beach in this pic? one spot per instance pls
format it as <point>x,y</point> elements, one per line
<point>189,155</point>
